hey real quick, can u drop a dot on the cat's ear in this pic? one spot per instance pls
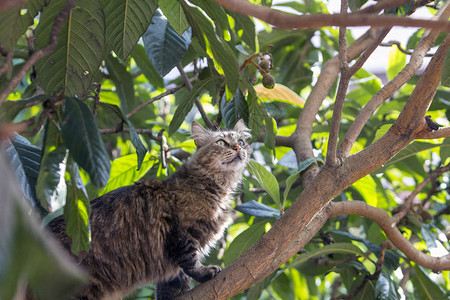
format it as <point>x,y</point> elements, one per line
<point>199,134</point>
<point>242,129</point>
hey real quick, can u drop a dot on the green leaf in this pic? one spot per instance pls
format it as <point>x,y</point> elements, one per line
<point>76,212</point>
<point>163,46</point>
<point>126,22</point>
<point>188,98</point>
<point>146,67</point>
<point>82,138</point>
<point>10,109</point>
<point>396,62</point>
<point>424,286</point>
<point>381,131</point>
<point>124,171</point>
<point>391,260</point>
<point>269,136</point>
<point>123,82</point>
<point>266,180</point>
<point>71,67</point>
<point>141,150</point>
<point>257,209</point>
<point>244,241</point>
<point>235,109</point>
<point>254,293</point>
<point>15,22</point>
<point>51,185</point>
<point>413,149</point>
<point>220,52</point>
<point>344,248</point>
<point>174,13</point>
<point>366,293</point>
<point>245,27</point>
<point>27,253</point>
<point>445,151</point>
<point>25,158</point>
<point>367,188</point>
<point>293,178</point>
<point>215,12</point>
<point>255,107</point>
<point>386,289</point>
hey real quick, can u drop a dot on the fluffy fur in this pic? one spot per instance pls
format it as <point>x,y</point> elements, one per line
<point>159,230</point>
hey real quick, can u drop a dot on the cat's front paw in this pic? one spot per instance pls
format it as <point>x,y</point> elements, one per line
<point>204,274</point>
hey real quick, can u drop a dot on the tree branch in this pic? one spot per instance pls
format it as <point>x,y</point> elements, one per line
<point>401,49</point>
<point>160,96</point>
<point>382,5</point>
<point>405,74</point>
<point>341,93</point>
<point>284,20</point>
<point>408,202</point>
<point>300,140</point>
<point>388,225</point>
<point>442,132</point>
<point>197,101</point>
<point>37,55</point>
<point>7,62</point>
<point>147,132</point>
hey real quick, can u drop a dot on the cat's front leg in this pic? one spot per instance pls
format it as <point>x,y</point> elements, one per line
<point>185,254</point>
<point>167,290</point>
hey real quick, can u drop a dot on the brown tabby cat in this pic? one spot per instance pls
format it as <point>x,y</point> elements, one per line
<point>159,230</point>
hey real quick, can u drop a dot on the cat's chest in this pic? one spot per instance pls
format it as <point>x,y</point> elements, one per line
<point>200,205</point>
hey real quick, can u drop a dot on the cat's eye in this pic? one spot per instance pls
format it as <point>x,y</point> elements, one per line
<point>221,143</point>
<point>241,143</point>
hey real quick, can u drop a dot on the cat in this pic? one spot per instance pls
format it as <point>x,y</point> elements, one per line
<point>159,230</point>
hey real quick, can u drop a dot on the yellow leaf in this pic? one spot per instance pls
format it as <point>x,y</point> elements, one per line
<point>279,93</point>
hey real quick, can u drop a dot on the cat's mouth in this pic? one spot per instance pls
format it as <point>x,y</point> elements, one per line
<point>235,159</point>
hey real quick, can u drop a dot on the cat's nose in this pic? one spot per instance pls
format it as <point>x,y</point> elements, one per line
<point>236,148</point>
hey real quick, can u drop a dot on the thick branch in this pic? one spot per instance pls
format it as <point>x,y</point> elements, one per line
<point>300,140</point>
<point>284,20</point>
<point>37,55</point>
<point>388,225</point>
<point>412,117</point>
<point>435,134</point>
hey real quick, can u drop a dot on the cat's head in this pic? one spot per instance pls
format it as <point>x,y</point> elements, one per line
<point>222,150</point>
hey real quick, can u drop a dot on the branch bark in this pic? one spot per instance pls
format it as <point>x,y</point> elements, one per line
<point>300,140</point>
<point>282,242</point>
<point>288,21</point>
<point>388,224</point>
<point>405,74</point>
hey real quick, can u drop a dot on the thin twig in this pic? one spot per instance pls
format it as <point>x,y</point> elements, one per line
<point>341,93</point>
<point>400,48</point>
<point>6,63</point>
<point>197,101</point>
<point>156,98</point>
<point>147,132</point>
<point>387,90</point>
<point>366,54</point>
<point>408,202</point>
<point>387,224</point>
<point>98,87</point>
<point>37,55</point>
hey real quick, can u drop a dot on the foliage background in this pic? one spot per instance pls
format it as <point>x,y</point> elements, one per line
<point>98,112</point>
